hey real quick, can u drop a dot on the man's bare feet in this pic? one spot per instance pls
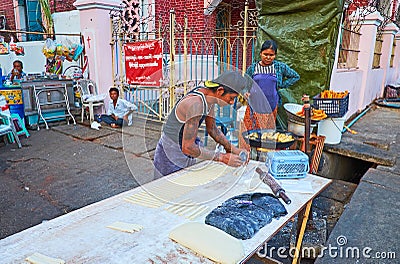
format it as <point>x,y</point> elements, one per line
<point>114,125</point>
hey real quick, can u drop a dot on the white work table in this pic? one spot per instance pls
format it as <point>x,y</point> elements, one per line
<point>82,236</point>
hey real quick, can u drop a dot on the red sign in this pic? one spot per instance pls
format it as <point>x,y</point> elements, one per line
<point>143,62</point>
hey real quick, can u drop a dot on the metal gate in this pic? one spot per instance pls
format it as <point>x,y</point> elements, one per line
<point>190,55</point>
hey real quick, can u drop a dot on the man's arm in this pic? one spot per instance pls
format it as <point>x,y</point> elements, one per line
<point>220,138</point>
<point>130,107</point>
<point>189,147</point>
<point>110,108</point>
<point>192,109</point>
<point>217,134</point>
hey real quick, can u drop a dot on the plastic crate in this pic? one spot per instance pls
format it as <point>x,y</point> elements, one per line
<point>287,164</point>
<point>333,107</point>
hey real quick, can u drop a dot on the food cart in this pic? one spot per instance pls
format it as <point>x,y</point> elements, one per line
<point>53,96</point>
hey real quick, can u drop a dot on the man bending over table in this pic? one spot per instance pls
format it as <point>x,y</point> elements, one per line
<point>179,145</point>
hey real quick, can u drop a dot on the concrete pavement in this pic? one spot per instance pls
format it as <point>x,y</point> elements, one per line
<point>367,231</point>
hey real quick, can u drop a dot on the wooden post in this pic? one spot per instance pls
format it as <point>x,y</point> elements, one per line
<point>185,56</point>
<point>246,7</point>
<point>302,223</point>
<point>172,59</point>
<point>160,101</point>
<point>121,75</point>
<point>112,44</point>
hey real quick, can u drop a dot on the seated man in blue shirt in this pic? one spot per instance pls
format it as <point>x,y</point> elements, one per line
<point>17,74</point>
<point>119,110</point>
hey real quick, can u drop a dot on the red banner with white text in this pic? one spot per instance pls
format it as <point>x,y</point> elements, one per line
<point>143,62</point>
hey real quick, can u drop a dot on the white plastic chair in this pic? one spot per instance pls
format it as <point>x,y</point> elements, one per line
<point>89,97</point>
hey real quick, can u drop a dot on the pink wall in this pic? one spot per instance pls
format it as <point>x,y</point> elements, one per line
<point>364,83</point>
<point>96,29</point>
<point>350,81</point>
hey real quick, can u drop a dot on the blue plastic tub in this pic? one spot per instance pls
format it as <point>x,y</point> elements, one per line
<point>286,164</point>
<point>17,109</point>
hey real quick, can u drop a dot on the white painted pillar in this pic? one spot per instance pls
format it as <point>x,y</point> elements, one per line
<point>387,46</point>
<point>367,46</point>
<point>96,29</point>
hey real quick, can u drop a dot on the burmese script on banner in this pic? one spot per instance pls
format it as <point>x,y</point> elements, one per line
<point>143,62</point>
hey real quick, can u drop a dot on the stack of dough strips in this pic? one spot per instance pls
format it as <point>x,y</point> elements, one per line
<point>125,227</point>
<point>188,209</point>
<point>38,258</point>
<point>158,195</point>
<point>203,175</point>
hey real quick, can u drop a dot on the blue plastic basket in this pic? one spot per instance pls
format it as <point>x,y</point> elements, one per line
<point>285,164</point>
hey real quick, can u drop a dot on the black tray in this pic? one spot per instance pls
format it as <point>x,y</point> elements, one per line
<point>265,143</point>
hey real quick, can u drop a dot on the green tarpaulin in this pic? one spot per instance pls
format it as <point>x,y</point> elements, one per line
<point>306,33</point>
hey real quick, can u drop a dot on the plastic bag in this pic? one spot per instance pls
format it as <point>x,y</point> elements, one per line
<point>49,48</point>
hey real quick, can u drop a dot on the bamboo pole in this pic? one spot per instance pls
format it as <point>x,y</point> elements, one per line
<point>112,44</point>
<point>160,101</point>
<point>172,59</point>
<point>297,256</point>
<point>120,45</point>
<point>185,56</point>
<point>246,17</point>
<point>37,33</point>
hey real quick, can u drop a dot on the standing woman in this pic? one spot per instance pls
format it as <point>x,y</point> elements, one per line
<point>269,75</point>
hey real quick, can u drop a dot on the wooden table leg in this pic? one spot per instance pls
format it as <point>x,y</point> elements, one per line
<point>301,227</point>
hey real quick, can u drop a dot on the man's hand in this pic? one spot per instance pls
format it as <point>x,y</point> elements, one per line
<point>237,151</point>
<point>14,73</point>
<point>114,116</point>
<point>230,159</point>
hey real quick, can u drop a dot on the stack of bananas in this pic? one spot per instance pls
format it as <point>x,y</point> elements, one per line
<point>276,136</point>
<point>316,114</point>
<point>273,136</point>
<point>328,94</point>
